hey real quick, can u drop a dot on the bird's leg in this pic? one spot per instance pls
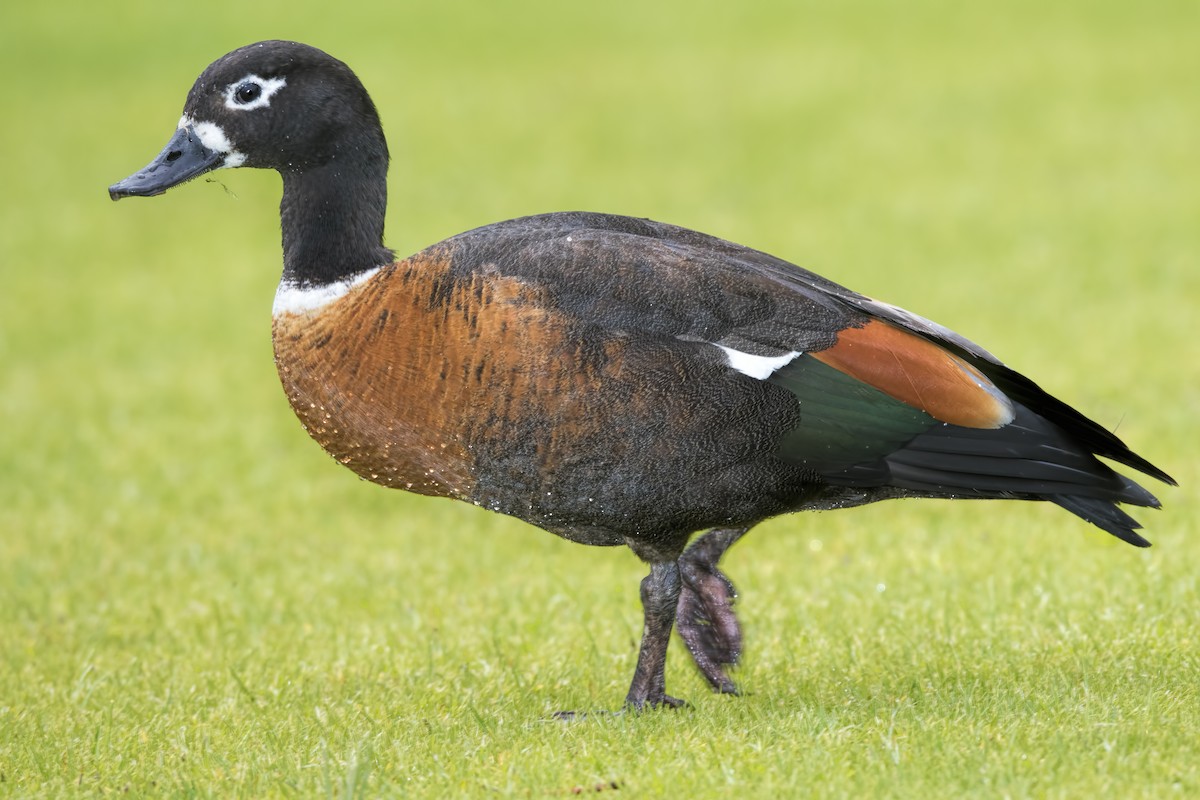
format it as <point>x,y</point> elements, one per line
<point>705,617</point>
<point>660,595</point>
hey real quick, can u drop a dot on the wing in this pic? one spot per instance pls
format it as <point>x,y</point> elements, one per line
<point>884,407</point>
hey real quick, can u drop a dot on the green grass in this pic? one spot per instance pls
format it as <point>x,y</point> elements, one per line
<point>195,602</point>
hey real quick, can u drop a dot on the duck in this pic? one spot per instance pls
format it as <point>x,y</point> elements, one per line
<point>609,379</point>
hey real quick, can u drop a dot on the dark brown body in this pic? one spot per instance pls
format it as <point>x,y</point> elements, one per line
<point>509,367</point>
<point>476,388</point>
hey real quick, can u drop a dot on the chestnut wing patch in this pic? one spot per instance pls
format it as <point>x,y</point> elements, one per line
<point>920,374</point>
<point>875,390</point>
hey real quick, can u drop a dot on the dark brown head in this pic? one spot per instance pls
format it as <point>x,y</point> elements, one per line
<point>273,105</point>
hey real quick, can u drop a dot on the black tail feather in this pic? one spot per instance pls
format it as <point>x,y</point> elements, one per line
<point>1030,458</point>
<point>1104,515</point>
<point>1087,432</point>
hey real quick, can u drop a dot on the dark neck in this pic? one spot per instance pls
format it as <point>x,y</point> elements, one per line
<point>332,215</point>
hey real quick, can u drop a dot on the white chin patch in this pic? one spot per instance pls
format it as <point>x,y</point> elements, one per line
<point>761,367</point>
<point>213,137</point>
<point>293,299</point>
<point>269,87</point>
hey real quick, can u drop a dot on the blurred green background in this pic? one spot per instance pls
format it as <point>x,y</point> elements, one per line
<point>195,601</point>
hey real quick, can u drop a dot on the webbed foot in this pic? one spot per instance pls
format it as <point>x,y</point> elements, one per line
<point>705,618</point>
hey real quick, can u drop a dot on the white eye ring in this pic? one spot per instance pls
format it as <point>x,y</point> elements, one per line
<point>267,87</point>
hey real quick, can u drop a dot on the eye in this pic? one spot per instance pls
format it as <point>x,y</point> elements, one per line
<point>252,91</point>
<point>247,92</point>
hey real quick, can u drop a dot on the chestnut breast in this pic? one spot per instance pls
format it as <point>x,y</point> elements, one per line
<point>414,376</point>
